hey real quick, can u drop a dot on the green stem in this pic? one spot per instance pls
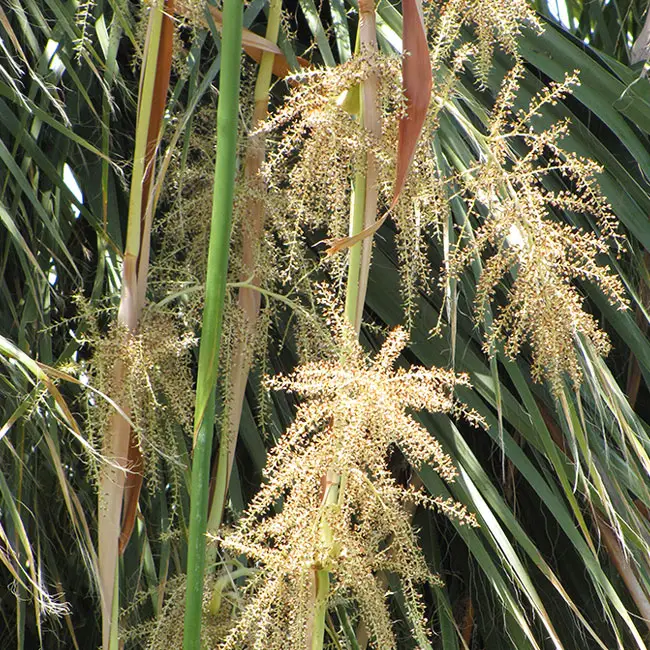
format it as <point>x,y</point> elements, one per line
<point>261,97</point>
<point>222,583</point>
<point>356,226</point>
<point>322,593</point>
<point>263,81</point>
<point>116,441</point>
<point>224,180</point>
<point>347,627</point>
<point>322,576</point>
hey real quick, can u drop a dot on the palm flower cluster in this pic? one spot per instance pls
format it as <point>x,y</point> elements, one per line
<point>496,22</point>
<point>166,631</point>
<point>184,230</point>
<point>156,389</point>
<point>514,203</point>
<point>317,143</point>
<point>355,410</point>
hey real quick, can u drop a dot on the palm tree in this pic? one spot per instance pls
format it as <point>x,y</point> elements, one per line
<point>520,236</point>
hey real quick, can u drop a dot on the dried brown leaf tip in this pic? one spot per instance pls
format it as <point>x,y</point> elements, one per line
<point>355,409</point>
<point>512,198</point>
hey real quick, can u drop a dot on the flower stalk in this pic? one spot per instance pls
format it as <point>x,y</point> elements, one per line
<point>362,215</point>
<point>249,297</point>
<point>120,478</point>
<point>204,414</point>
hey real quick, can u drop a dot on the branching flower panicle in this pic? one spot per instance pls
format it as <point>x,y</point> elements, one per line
<point>423,206</point>
<point>317,143</point>
<point>355,410</point>
<point>497,22</point>
<point>512,199</point>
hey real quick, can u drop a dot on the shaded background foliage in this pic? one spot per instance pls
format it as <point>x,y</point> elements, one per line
<point>68,91</point>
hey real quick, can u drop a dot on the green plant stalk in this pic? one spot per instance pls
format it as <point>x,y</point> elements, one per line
<point>320,609</point>
<point>354,266</point>
<point>370,119</point>
<point>248,298</point>
<point>347,627</point>
<point>333,492</point>
<point>221,584</point>
<point>224,180</point>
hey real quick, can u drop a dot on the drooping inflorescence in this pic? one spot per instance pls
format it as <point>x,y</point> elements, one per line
<point>514,203</point>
